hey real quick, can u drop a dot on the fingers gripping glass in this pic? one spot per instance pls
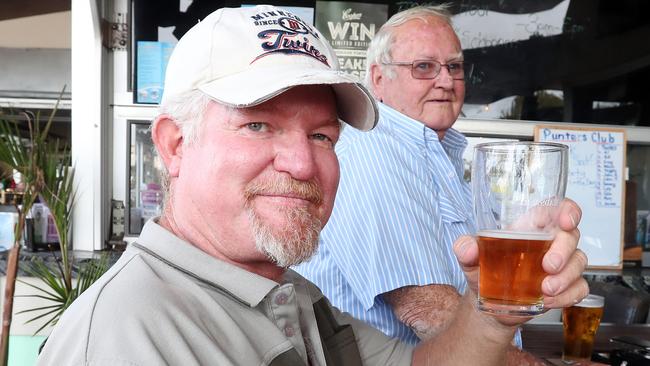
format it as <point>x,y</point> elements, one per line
<point>430,69</point>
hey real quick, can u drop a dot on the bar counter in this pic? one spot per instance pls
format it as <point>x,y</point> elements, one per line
<point>545,340</point>
<point>78,257</point>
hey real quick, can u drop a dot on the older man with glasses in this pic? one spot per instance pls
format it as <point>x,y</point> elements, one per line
<point>386,255</point>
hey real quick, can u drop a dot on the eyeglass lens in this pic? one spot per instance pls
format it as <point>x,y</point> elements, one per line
<point>429,69</point>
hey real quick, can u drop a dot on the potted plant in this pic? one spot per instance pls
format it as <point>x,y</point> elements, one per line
<point>58,285</point>
<point>44,166</point>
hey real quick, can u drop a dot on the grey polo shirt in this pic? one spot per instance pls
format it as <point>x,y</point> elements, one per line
<point>165,302</point>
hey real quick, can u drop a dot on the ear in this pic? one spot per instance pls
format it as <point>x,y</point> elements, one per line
<point>377,80</point>
<point>169,142</point>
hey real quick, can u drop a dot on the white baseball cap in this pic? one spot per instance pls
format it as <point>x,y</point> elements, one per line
<point>242,57</point>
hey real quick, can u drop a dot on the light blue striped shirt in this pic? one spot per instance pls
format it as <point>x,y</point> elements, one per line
<point>401,204</point>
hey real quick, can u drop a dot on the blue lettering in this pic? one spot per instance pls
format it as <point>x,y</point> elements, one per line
<point>599,138</point>
<point>285,42</point>
<point>563,136</point>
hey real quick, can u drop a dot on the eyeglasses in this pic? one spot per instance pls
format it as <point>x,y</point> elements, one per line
<point>430,69</point>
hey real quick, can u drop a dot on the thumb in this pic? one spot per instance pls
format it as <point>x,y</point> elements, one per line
<point>466,250</point>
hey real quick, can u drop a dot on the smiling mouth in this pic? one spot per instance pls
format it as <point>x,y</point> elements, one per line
<point>283,202</point>
<point>288,199</point>
<point>286,196</point>
<point>286,191</point>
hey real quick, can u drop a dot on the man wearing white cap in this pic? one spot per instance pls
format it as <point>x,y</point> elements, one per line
<point>251,112</point>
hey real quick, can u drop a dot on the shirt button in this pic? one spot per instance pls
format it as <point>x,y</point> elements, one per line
<point>288,331</point>
<point>281,299</point>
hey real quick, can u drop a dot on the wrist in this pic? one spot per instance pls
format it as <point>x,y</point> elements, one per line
<point>491,328</point>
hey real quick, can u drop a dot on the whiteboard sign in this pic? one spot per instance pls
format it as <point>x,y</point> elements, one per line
<point>597,183</point>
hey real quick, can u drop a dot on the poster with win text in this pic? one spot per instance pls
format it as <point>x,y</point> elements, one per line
<point>349,27</point>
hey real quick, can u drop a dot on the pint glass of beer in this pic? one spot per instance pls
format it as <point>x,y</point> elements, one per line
<point>580,324</point>
<point>517,188</point>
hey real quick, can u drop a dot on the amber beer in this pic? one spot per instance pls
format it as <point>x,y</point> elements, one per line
<point>580,324</point>
<point>510,271</point>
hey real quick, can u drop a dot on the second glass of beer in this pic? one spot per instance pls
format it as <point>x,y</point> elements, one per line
<point>517,188</point>
<point>580,323</point>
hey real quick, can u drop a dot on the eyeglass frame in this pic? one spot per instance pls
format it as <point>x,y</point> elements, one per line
<point>466,74</point>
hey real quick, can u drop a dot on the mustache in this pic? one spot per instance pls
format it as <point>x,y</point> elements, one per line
<point>306,190</point>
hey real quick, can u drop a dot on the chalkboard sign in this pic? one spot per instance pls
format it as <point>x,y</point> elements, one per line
<point>597,184</point>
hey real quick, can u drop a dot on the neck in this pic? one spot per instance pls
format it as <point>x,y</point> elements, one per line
<point>262,267</point>
<point>441,133</point>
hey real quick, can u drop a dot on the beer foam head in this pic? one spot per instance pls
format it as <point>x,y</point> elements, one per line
<point>505,234</point>
<point>592,301</point>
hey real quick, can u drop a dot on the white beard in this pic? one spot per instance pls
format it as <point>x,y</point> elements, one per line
<point>292,244</point>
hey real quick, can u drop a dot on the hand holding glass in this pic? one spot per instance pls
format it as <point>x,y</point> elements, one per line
<point>518,187</point>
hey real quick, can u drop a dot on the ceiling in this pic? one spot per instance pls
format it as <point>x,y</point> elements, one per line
<point>10,9</point>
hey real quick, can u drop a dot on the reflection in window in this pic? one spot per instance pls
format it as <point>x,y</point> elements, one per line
<point>145,190</point>
<point>557,60</point>
<point>637,202</point>
<point>549,104</point>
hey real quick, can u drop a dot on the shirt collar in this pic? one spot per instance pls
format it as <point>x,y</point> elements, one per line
<point>409,129</point>
<point>417,132</point>
<point>247,287</point>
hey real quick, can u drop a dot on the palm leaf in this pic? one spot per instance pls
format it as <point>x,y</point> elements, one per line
<point>51,321</point>
<point>58,194</point>
<point>91,272</point>
<point>56,299</point>
<point>48,295</point>
<point>12,149</point>
<point>49,307</point>
<point>56,291</point>
<point>44,168</point>
<point>38,269</point>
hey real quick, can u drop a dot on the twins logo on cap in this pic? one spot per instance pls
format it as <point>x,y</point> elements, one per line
<point>292,36</point>
<point>225,57</point>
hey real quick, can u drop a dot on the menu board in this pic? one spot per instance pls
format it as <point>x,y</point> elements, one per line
<point>597,184</point>
<point>150,70</point>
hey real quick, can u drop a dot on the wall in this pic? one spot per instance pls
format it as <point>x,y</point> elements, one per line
<point>23,345</point>
<point>39,31</point>
<point>34,73</point>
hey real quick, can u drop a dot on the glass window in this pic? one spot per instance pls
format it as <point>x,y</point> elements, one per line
<point>145,188</point>
<point>637,221</point>
<point>557,60</point>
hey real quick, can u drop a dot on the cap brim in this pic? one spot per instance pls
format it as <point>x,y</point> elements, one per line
<point>355,105</point>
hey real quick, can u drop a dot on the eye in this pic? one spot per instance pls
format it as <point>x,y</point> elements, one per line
<point>257,126</point>
<point>423,65</point>
<point>323,138</point>
<point>455,67</point>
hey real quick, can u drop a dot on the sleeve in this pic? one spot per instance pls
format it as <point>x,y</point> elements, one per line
<point>385,230</point>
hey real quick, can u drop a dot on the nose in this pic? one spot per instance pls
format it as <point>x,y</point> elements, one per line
<point>295,156</point>
<point>444,79</point>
